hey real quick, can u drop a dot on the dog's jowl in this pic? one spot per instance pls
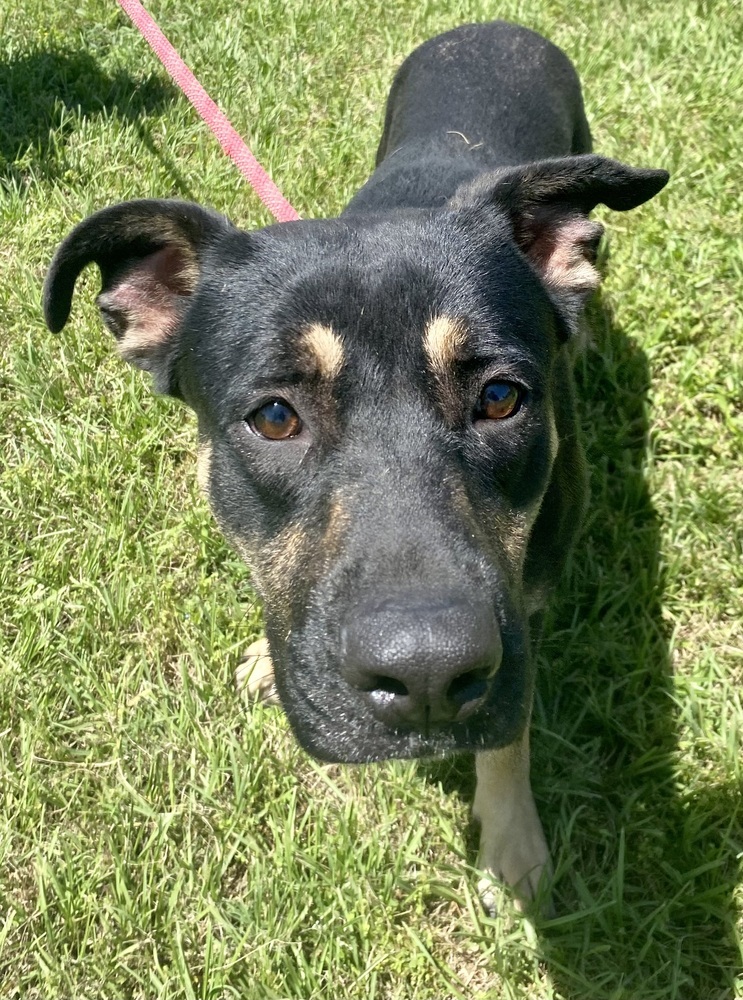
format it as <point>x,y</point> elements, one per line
<point>385,407</point>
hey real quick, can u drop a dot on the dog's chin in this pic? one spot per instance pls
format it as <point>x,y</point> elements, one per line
<point>358,745</point>
<point>363,748</point>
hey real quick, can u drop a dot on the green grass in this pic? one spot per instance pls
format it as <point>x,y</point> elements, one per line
<point>158,838</point>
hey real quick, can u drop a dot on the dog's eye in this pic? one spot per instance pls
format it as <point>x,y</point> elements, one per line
<point>498,400</point>
<point>275,420</point>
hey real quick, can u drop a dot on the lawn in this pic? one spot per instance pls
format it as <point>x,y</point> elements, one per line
<point>160,838</point>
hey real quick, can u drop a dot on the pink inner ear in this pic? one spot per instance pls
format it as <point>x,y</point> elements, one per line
<point>145,306</point>
<point>173,268</point>
<point>562,247</point>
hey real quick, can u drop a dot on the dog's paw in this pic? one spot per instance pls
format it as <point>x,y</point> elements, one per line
<point>254,674</point>
<point>522,863</point>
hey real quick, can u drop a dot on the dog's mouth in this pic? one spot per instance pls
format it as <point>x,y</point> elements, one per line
<point>336,723</point>
<point>347,737</point>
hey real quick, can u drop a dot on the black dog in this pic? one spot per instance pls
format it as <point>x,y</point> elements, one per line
<point>385,406</point>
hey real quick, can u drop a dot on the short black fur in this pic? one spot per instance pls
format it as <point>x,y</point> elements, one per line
<point>404,548</point>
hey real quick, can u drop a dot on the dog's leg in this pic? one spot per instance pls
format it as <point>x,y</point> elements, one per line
<point>512,845</point>
<point>254,674</point>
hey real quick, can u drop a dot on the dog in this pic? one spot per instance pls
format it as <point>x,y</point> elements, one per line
<point>386,410</point>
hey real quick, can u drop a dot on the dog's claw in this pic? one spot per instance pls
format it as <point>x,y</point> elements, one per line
<point>254,674</point>
<point>530,894</point>
<point>490,891</point>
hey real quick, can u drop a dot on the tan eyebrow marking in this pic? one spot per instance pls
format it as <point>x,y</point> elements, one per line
<point>326,349</point>
<point>443,340</point>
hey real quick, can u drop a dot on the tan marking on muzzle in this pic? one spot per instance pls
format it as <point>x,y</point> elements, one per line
<point>325,347</point>
<point>277,563</point>
<point>443,341</point>
<point>514,535</point>
<point>285,555</point>
<point>338,518</point>
<point>511,530</point>
<point>516,530</point>
<point>296,555</point>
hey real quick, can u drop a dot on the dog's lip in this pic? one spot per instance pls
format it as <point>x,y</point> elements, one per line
<point>439,739</point>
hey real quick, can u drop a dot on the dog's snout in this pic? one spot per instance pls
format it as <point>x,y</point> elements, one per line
<point>421,662</point>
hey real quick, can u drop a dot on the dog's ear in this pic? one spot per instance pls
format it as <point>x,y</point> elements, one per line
<point>547,204</point>
<point>149,253</point>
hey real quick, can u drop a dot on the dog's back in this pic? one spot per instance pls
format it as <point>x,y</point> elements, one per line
<point>458,105</point>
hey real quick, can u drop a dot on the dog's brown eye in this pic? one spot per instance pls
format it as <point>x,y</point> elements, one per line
<point>498,400</point>
<point>275,420</point>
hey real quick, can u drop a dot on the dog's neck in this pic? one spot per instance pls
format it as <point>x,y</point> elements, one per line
<point>424,173</point>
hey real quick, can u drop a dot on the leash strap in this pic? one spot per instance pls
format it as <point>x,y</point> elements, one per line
<point>217,121</point>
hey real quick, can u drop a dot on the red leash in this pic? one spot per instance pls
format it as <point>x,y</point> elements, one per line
<point>228,138</point>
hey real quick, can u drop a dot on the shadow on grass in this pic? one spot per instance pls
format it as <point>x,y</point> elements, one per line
<point>43,96</point>
<point>646,870</point>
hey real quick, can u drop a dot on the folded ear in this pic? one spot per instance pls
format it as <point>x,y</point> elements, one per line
<point>548,203</point>
<point>149,253</point>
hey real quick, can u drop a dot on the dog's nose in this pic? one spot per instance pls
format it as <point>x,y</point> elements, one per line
<point>421,662</point>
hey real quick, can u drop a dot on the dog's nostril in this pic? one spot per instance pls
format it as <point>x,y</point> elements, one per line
<point>387,685</point>
<point>468,687</point>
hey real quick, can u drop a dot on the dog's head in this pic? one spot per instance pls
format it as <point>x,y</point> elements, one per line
<point>384,402</point>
